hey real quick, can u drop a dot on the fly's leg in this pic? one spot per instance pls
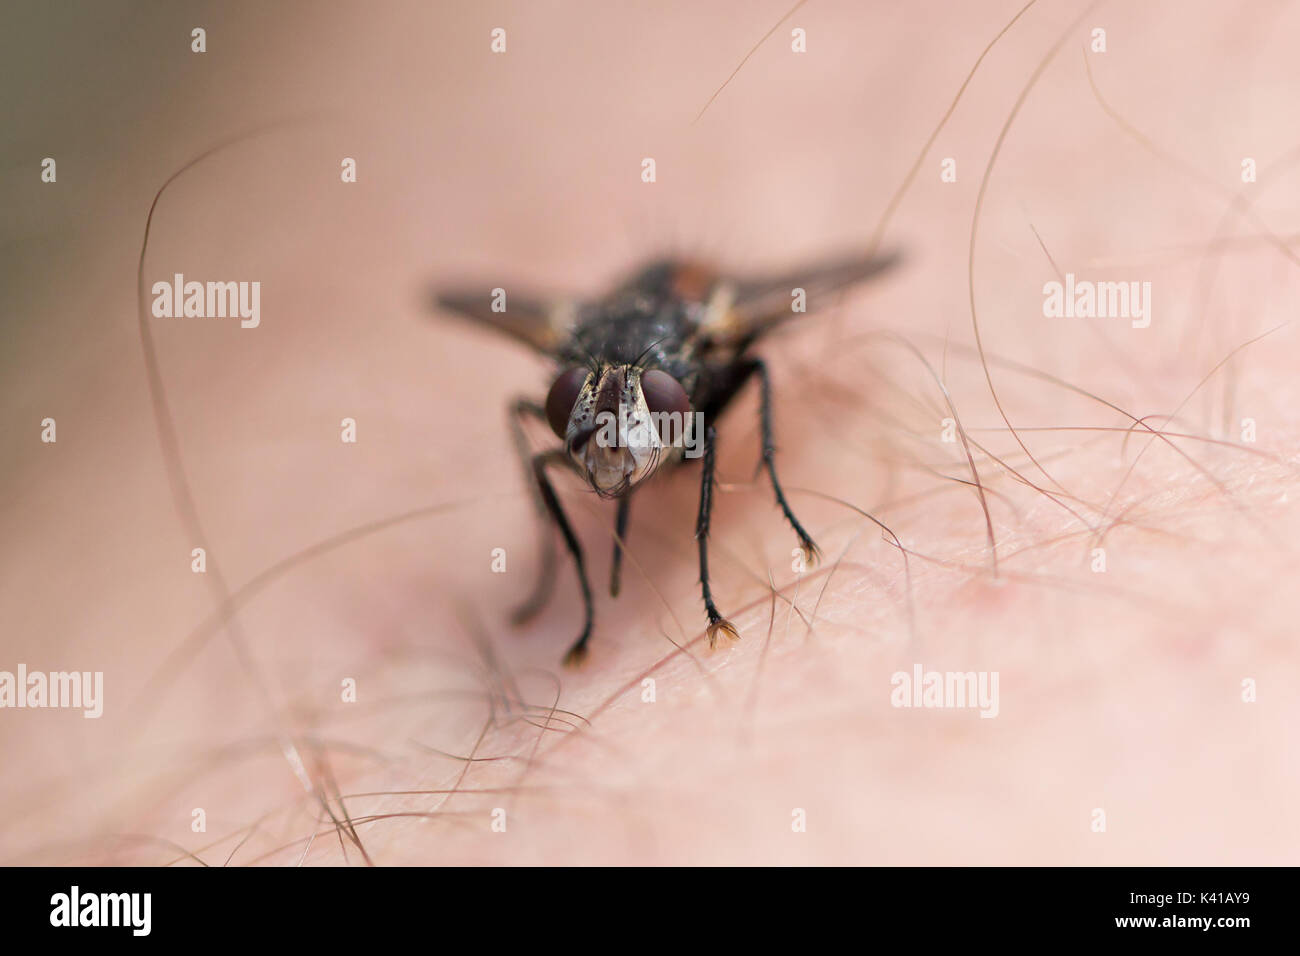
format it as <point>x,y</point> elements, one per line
<point>579,649</point>
<point>620,535</point>
<point>810,551</point>
<point>545,585</point>
<point>717,624</point>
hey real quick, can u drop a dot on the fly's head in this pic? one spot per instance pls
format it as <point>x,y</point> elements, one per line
<point>617,421</point>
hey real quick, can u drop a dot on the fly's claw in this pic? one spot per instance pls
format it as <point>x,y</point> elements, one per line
<point>577,654</point>
<point>723,627</point>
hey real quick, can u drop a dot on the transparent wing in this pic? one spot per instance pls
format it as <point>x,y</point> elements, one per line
<point>754,305</point>
<point>536,322</point>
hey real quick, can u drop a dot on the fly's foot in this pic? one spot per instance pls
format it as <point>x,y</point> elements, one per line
<point>812,554</point>
<point>717,625</point>
<point>577,654</point>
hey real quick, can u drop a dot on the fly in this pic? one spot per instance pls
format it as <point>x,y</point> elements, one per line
<point>641,375</point>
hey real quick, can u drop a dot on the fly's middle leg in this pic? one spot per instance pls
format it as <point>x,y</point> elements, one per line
<point>717,624</point>
<point>810,551</point>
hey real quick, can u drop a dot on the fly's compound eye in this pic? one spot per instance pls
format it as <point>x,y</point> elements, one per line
<point>667,400</point>
<point>562,397</point>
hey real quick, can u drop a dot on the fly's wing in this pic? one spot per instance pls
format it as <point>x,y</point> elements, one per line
<point>747,308</point>
<point>542,324</point>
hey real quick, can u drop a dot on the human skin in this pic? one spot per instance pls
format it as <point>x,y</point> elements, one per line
<point>1120,690</point>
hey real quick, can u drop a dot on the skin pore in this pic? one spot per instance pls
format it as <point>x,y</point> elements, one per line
<point>1142,512</point>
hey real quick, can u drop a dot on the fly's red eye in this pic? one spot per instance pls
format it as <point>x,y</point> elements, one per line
<point>562,397</point>
<point>663,393</point>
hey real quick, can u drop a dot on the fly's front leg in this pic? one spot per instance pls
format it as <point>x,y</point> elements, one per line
<point>810,551</point>
<point>579,649</point>
<point>716,622</point>
<point>545,585</point>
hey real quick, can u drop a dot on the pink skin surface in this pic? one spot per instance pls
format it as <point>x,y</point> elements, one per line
<point>1120,690</point>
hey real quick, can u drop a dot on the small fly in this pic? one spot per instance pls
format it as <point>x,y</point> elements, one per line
<point>641,375</point>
